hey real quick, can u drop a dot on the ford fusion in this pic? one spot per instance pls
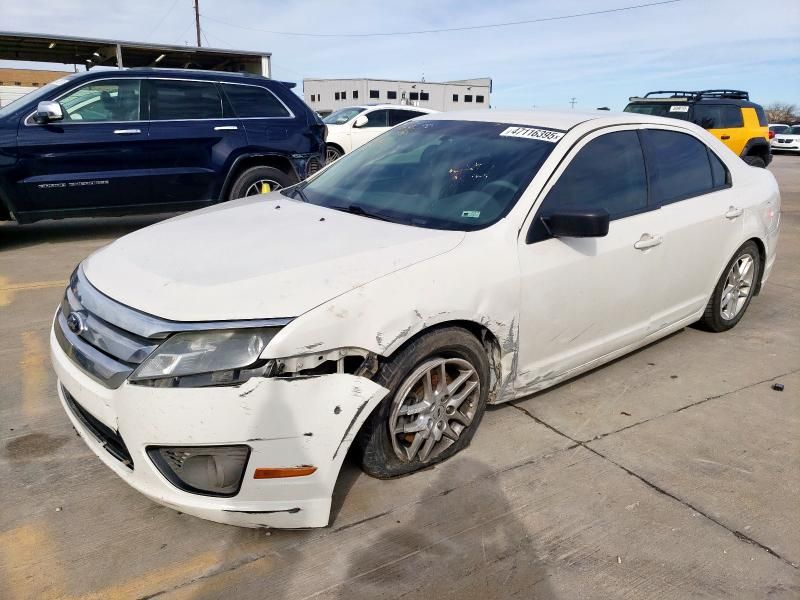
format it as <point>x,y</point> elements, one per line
<point>224,362</point>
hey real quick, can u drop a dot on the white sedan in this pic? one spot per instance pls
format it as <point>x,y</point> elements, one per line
<point>223,362</point>
<point>354,126</point>
<point>787,141</point>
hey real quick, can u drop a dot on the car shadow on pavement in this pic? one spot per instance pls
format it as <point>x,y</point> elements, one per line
<point>466,543</point>
<point>14,236</point>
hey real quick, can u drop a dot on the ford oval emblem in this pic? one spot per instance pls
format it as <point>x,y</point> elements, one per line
<point>76,323</point>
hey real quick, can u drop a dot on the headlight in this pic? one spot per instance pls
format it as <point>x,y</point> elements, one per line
<point>202,358</point>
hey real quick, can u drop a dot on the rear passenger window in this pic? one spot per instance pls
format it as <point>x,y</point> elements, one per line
<point>399,116</point>
<point>249,101</point>
<point>679,166</point>
<point>717,116</point>
<point>608,173</point>
<point>719,173</point>
<point>176,100</point>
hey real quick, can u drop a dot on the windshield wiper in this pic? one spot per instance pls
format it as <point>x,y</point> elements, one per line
<point>298,191</point>
<point>355,209</point>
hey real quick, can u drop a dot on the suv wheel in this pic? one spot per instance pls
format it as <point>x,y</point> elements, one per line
<point>259,180</point>
<point>755,161</point>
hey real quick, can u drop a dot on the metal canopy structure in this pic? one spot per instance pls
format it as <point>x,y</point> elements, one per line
<point>35,47</point>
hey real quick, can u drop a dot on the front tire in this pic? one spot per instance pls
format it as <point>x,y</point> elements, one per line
<point>259,180</point>
<point>734,290</point>
<point>332,153</point>
<point>439,385</point>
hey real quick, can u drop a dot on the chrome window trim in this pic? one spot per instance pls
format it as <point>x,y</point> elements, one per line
<point>26,122</point>
<point>144,324</point>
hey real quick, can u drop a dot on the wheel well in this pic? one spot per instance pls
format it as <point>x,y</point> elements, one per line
<point>484,335</point>
<point>762,259</point>
<point>335,145</point>
<point>270,160</point>
<point>759,150</point>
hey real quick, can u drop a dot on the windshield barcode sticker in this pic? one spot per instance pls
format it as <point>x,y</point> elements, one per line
<point>679,108</point>
<point>546,135</point>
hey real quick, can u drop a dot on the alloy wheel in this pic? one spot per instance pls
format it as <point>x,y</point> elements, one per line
<point>433,407</point>
<point>262,186</point>
<point>738,287</point>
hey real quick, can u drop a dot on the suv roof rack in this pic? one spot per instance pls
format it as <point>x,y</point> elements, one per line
<point>732,94</point>
<point>693,95</point>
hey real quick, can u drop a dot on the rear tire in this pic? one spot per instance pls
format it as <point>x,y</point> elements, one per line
<point>388,440</point>
<point>755,161</point>
<point>332,153</point>
<point>734,290</point>
<point>252,180</point>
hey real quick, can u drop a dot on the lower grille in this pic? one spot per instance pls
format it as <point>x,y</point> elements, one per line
<point>110,439</point>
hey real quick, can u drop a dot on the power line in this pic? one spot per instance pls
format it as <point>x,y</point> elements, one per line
<point>465,28</point>
<point>161,22</point>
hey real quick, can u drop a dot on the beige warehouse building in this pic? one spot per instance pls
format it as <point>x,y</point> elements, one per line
<point>327,95</point>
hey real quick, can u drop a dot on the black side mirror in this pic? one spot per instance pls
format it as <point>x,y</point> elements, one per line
<point>578,223</point>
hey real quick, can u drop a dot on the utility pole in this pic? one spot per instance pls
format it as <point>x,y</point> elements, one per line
<point>571,102</point>
<point>197,20</point>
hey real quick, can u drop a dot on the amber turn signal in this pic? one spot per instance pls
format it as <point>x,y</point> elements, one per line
<point>278,472</point>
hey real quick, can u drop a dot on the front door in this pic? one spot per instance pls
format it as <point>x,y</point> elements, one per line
<point>192,141</point>
<point>583,298</point>
<point>377,123</point>
<point>95,158</point>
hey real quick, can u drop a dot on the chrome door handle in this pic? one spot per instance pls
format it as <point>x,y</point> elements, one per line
<point>226,128</point>
<point>127,131</point>
<point>734,213</point>
<point>648,241</point>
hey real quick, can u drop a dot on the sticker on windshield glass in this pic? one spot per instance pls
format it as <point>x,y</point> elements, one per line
<point>471,214</point>
<point>531,133</point>
<point>678,108</point>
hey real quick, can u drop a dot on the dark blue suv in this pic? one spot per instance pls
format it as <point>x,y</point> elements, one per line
<point>151,140</point>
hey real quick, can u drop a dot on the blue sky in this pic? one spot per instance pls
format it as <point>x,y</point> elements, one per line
<point>600,60</point>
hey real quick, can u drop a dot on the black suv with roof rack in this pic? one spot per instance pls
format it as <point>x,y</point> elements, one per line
<point>152,140</point>
<point>727,114</point>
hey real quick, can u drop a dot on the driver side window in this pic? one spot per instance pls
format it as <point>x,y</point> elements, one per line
<point>107,100</point>
<point>377,118</point>
<point>607,173</point>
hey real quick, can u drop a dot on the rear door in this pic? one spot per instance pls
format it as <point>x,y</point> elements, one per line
<point>95,158</point>
<point>701,217</point>
<point>269,124</point>
<point>191,140</point>
<point>377,123</point>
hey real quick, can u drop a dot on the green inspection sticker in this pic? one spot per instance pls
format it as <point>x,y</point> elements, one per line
<point>472,214</point>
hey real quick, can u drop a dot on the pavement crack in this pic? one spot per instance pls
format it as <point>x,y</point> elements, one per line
<point>737,534</point>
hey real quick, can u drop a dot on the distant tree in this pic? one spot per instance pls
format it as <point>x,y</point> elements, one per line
<point>782,112</point>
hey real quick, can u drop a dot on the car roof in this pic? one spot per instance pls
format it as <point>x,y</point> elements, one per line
<point>176,73</point>
<point>562,120</point>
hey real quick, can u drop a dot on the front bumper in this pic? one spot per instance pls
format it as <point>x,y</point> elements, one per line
<point>286,423</point>
<point>790,147</point>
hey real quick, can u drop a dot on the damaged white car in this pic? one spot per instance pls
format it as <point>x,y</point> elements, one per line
<point>223,362</point>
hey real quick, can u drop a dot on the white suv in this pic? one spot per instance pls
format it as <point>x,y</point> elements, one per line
<point>351,127</point>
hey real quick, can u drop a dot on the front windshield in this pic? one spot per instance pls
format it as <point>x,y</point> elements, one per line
<point>343,115</point>
<point>660,109</point>
<point>794,130</point>
<point>459,175</point>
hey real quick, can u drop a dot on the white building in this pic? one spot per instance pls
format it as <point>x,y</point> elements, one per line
<point>327,95</point>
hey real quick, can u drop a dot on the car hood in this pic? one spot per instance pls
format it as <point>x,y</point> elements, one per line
<point>259,257</point>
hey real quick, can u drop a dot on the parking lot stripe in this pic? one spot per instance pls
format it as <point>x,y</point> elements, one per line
<point>22,548</point>
<point>8,289</point>
<point>32,365</point>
